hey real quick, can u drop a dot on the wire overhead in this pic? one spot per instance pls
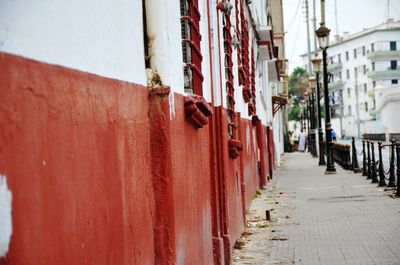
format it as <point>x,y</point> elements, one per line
<point>294,17</point>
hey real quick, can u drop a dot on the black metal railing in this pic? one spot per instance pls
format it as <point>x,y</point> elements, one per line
<point>341,155</point>
<point>375,137</point>
<point>375,170</point>
<point>354,159</point>
<point>394,136</point>
<point>373,162</point>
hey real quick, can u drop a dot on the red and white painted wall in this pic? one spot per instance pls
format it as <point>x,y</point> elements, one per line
<point>132,132</point>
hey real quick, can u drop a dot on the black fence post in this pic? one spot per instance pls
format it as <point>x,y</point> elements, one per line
<point>373,165</point>
<point>354,161</point>
<point>364,170</point>
<point>382,181</point>
<point>398,168</point>
<point>392,177</point>
<point>369,173</point>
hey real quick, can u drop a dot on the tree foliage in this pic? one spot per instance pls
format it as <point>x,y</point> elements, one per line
<point>298,83</point>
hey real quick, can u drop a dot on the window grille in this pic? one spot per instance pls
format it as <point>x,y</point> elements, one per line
<point>244,66</point>
<point>191,52</point>
<point>230,90</point>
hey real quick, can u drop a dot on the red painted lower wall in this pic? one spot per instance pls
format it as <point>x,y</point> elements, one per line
<point>229,174</point>
<point>249,160</point>
<point>271,150</point>
<point>191,189</point>
<point>76,157</point>
<point>263,144</point>
<point>100,173</point>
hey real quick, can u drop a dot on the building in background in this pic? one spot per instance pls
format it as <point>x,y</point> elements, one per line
<point>280,96</point>
<point>136,132</point>
<point>359,63</point>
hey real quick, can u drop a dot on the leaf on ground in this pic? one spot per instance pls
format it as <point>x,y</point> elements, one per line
<point>263,224</point>
<point>246,234</point>
<point>239,244</point>
<point>279,238</point>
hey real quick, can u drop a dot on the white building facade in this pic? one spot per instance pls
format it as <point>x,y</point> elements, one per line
<point>152,121</point>
<point>360,63</point>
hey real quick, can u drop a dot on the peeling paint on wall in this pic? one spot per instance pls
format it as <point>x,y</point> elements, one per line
<point>5,216</point>
<point>171,105</point>
<point>247,139</point>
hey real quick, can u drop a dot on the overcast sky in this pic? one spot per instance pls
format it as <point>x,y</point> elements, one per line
<point>352,16</point>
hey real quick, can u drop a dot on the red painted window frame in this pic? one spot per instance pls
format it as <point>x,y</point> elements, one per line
<point>230,89</point>
<point>252,103</point>
<point>234,145</point>
<point>244,67</point>
<point>191,49</point>
<point>246,62</point>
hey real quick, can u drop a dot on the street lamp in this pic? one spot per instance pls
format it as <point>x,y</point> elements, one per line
<point>316,61</point>
<point>313,122</point>
<point>304,103</point>
<point>323,39</point>
<point>309,122</point>
<point>323,36</point>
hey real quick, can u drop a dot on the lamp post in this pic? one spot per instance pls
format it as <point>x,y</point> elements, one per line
<point>317,69</point>
<point>323,38</point>
<point>313,121</point>
<point>304,119</point>
<point>308,115</point>
<point>301,117</point>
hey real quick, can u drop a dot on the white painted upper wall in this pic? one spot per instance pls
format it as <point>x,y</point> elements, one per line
<point>205,50</point>
<point>165,42</point>
<point>5,216</point>
<point>102,37</point>
<point>105,37</point>
<point>164,31</point>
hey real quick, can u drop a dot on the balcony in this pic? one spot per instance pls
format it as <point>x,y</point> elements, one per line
<point>334,67</point>
<point>335,115</point>
<point>385,74</point>
<point>283,66</point>
<point>265,43</point>
<point>336,85</point>
<point>335,104</point>
<point>373,113</point>
<point>388,55</point>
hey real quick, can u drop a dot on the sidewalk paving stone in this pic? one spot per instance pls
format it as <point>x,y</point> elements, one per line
<point>322,219</point>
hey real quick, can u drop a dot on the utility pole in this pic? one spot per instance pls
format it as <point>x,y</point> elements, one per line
<point>388,9</point>
<point>322,12</point>
<point>336,20</point>
<point>308,38</point>
<point>357,105</point>
<point>341,112</point>
<point>314,19</point>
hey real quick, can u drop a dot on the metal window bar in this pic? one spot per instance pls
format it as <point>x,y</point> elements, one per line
<point>253,81</point>
<point>191,52</point>
<point>230,90</point>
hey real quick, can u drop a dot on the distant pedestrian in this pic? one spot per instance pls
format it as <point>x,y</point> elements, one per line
<point>302,141</point>
<point>333,135</point>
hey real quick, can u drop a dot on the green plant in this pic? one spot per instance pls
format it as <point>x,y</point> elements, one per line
<point>257,194</point>
<point>294,112</point>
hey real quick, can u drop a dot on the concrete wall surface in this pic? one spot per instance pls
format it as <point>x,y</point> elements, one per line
<point>124,141</point>
<point>100,37</point>
<point>100,174</point>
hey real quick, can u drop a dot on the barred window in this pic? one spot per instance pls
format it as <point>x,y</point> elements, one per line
<point>191,52</point>
<point>243,52</point>
<point>230,90</point>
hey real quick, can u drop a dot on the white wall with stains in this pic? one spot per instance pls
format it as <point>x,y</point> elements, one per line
<point>98,36</point>
<point>5,216</point>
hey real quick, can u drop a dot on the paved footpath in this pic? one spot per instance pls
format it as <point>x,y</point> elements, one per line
<point>320,219</point>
